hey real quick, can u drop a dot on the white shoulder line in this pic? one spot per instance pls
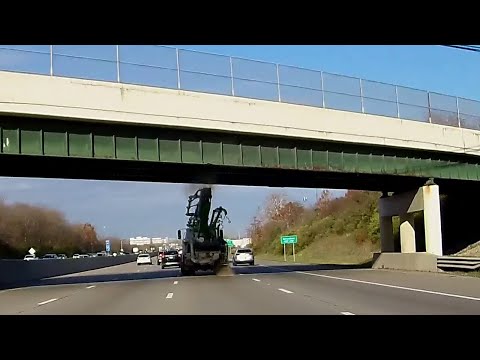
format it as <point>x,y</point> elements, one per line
<point>392,286</point>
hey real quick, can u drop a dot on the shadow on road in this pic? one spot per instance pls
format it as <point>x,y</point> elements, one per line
<point>80,278</point>
<point>175,273</point>
<point>282,268</point>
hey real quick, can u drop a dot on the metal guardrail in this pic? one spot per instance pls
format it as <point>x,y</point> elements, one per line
<point>458,263</point>
<point>168,67</point>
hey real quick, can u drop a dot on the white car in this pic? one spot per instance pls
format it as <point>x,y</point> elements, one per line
<point>29,257</point>
<point>144,259</point>
<point>243,256</point>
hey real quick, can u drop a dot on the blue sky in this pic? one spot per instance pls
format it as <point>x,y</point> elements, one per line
<point>130,209</point>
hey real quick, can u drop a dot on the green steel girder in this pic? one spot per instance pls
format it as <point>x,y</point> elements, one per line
<point>66,138</point>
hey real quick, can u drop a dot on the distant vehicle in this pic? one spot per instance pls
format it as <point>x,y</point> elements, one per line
<point>83,256</point>
<point>144,259</point>
<point>243,256</point>
<point>100,254</point>
<point>50,256</point>
<point>29,257</point>
<point>62,256</point>
<point>76,256</point>
<point>170,258</point>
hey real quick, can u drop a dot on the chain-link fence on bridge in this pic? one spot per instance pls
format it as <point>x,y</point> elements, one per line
<point>167,67</point>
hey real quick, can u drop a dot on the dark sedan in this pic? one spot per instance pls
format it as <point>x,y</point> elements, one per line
<point>170,258</point>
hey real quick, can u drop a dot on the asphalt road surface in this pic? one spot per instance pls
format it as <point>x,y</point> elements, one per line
<point>268,288</point>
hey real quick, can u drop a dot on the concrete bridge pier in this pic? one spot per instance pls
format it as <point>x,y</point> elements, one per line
<point>403,254</point>
<point>407,233</point>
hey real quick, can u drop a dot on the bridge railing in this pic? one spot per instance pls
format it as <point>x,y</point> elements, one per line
<point>167,67</point>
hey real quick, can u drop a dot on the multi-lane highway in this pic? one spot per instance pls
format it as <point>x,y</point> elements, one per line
<point>269,288</point>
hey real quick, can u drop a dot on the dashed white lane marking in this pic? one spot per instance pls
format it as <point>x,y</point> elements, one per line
<point>286,291</point>
<point>90,287</point>
<point>394,286</point>
<point>346,313</point>
<point>47,301</point>
<point>175,282</point>
<point>255,279</point>
<point>169,295</point>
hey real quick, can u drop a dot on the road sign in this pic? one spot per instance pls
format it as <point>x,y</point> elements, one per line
<point>230,243</point>
<point>107,245</point>
<point>32,251</point>
<point>289,239</point>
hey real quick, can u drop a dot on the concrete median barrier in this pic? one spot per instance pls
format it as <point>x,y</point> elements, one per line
<point>405,261</point>
<point>21,271</point>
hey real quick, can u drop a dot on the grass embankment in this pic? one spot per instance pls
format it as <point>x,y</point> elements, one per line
<point>334,249</point>
<point>472,250</point>
<point>343,230</point>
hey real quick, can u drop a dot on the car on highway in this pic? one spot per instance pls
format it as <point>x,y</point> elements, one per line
<point>143,259</point>
<point>243,256</point>
<point>29,257</point>
<point>170,258</point>
<point>62,256</point>
<point>76,256</point>
<point>50,256</point>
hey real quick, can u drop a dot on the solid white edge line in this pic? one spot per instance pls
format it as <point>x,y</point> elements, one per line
<point>393,286</point>
<point>255,280</point>
<point>47,301</point>
<point>169,295</point>
<point>175,282</point>
<point>90,287</point>
<point>286,291</point>
<point>346,313</point>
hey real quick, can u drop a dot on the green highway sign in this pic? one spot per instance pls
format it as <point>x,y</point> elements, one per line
<point>289,239</point>
<point>229,243</point>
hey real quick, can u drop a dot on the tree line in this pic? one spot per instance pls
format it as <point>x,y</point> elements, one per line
<point>46,230</point>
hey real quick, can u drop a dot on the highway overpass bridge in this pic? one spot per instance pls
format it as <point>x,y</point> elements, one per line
<point>152,113</point>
